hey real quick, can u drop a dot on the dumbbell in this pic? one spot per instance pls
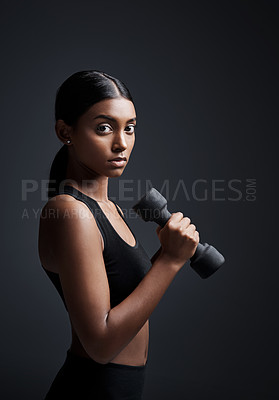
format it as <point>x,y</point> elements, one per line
<point>153,207</point>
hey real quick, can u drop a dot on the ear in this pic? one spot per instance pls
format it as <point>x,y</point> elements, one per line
<point>63,131</point>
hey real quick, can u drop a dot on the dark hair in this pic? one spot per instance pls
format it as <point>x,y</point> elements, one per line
<point>74,97</point>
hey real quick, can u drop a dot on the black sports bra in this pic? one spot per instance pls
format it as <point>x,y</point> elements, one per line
<point>126,265</point>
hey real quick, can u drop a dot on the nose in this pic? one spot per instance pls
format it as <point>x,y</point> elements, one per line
<point>119,141</point>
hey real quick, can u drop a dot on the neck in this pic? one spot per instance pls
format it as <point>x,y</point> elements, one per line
<point>94,188</point>
<point>87,181</point>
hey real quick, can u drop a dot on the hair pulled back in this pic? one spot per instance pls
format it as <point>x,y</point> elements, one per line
<point>74,97</point>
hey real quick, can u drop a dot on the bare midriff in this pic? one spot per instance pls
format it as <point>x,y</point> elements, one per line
<point>135,353</point>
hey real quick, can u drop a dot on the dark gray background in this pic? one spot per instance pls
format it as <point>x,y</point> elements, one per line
<point>203,75</point>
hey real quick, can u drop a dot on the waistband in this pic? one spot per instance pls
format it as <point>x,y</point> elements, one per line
<point>89,361</point>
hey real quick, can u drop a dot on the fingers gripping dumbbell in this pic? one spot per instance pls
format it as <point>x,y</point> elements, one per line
<point>153,207</point>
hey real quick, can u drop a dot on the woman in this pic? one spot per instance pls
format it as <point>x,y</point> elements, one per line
<point>108,284</point>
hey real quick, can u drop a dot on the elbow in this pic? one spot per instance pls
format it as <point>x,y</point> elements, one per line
<point>105,351</point>
<point>99,348</point>
<point>99,359</point>
<point>97,352</point>
<point>100,353</point>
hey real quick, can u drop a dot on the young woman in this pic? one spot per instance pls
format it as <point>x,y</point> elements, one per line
<point>106,280</point>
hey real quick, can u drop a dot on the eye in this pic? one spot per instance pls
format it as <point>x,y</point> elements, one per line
<point>131,128</point>
<point>100,128</point>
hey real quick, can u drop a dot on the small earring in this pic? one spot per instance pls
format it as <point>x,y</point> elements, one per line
<point>68,141</point>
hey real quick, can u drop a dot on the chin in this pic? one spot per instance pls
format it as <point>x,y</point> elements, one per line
<point>116,173</point>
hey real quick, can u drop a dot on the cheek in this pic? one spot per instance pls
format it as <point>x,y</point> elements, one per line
<point>91,149</point>
<point>96,152</point>
<point>132,143</point>
<point>130,139</point>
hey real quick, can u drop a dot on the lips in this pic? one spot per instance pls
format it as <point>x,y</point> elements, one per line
<point>119,159</point>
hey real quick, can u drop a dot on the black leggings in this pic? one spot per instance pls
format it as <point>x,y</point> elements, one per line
<point>83,378</point>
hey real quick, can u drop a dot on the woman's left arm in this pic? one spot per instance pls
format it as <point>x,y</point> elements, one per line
<point>156,255</point>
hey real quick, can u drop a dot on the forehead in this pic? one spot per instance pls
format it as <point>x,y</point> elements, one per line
<point>119,108</point>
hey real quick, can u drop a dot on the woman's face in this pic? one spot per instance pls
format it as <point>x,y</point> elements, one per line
<point>104,132</point>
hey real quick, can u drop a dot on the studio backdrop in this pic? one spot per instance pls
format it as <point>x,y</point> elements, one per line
<point>204,79</point>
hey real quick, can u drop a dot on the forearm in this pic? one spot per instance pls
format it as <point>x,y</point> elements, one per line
<point>156,255</point>
<point>126,319</point>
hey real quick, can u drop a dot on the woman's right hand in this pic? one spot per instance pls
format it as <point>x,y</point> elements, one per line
<point>179,239</point>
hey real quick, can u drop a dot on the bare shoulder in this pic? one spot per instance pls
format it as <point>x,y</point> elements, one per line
<point>64,212</point>
<point>61,219</point>
<point>61,203</point>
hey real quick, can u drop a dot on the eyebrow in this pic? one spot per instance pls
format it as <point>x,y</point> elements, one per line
<point>113,119</point>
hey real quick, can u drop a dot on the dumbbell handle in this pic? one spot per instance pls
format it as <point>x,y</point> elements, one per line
<point>206,259</point>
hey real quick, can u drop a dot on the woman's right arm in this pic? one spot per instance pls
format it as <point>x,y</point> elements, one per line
<point>76,249</point>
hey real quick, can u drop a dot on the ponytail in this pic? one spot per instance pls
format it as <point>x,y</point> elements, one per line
<point>58,171</point>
